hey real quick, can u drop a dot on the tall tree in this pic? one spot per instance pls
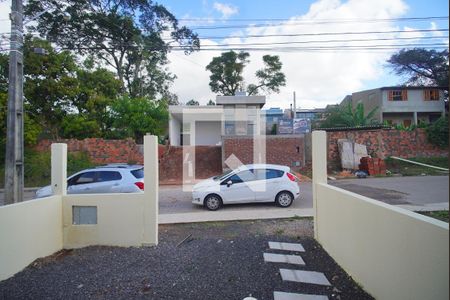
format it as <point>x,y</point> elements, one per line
<point>97,89</point>
<point>50,84</point>
<point>421,66</point>
<point>126,35</point>
<point>270,78</point>
<point>226,74</point>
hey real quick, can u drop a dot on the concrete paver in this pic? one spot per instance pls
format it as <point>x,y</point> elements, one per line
<point>286,246</point>
<point>304,276</point>
<point>294,296</point>
<point>283,258</point>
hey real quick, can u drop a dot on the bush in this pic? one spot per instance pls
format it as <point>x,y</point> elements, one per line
<point>37,171</point>
<point>437,132</point>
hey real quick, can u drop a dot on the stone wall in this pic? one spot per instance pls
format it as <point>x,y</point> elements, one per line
<point>285,150</point>
<point>385,142</point>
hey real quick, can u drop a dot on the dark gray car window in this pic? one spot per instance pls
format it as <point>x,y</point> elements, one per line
<point>108,176</point>
<point>262,174</point>
<point>139,173</point>
<point>243,176</point>
<point>88,177</point>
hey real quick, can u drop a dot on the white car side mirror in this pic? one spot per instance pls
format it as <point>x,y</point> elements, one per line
<point>229,183</point>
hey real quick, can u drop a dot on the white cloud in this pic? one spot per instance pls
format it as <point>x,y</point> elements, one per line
<point>318,77</point>
<point>227,10</point>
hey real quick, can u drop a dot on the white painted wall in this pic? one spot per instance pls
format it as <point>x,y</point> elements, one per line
<point>120,220</point>
<point>29,230</point>
<point>208,132</point>
<point>38,228</point>
<point>393,253</point>
<point>174,131</point>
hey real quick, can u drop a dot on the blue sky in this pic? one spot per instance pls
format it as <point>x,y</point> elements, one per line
<point>318,78</point>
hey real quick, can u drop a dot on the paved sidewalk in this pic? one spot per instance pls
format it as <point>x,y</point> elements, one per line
<point>233,215</point>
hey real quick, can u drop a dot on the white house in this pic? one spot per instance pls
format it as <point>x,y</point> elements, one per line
<point>206,124</point>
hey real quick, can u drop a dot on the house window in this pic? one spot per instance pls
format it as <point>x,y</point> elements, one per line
<point>398,95</point>
<point>431,95</point>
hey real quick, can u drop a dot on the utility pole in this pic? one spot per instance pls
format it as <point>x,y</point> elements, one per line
<point>14,132</point>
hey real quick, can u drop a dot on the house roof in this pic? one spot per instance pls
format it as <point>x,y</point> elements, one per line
<point>413,87</point>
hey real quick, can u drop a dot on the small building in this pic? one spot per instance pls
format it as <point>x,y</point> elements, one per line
<point>272,115</point>
<point>405,105</point>
<point>206,124</point>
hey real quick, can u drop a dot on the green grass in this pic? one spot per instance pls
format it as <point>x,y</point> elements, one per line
<point>37,171</point>
<point>409,169</point>
<point>439,214</point>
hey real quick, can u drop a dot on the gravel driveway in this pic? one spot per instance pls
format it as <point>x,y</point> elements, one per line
<point>217,261</point>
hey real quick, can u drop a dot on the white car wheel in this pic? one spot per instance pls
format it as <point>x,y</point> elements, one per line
<point>284,199</point>
<point>213,202</point>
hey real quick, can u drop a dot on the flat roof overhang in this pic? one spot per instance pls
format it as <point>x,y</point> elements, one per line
<point>241,100</point>
<point>197,113</point>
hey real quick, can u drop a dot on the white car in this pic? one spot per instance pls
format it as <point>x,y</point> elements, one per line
<point>112,178</point>
<point>248,183</point>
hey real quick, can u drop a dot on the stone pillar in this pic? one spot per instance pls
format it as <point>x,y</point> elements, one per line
<point>319,169</point>
<point>151,185</point>
<point>59,169</point>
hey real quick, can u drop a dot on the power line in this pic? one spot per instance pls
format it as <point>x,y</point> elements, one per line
<point>324,33</point>
<point>328,41</point>
<point>315,22</point>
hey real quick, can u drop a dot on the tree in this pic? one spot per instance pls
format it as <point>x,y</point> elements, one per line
<point>226,74</point>
<point>192,102</point>
<point>270,78</point>
<point>437,132</point>
<point>50,84</point>
<point>348,117</point>
<point>61,97</point>
<point>210,102</point>
<point>421,66</point>
<point>129,36</point>
<point>31,128</point>
<point>136,117</point>
<point>97,89</point>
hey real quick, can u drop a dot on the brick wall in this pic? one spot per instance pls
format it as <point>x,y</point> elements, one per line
<point>385,142</point>
<point>208,158</point>
<point>101,151</point>
<point>280,149</point>
<point>208,163</point>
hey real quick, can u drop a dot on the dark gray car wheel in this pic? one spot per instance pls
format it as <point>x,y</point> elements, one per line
<point>213,202</point>
<point>284,199</point>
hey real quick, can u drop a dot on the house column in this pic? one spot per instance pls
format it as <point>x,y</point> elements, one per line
<point>415,118</point>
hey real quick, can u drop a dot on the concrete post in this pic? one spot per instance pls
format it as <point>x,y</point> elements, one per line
<point>59,169</point>
<point>151,185</point>
<point>319,169</point>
